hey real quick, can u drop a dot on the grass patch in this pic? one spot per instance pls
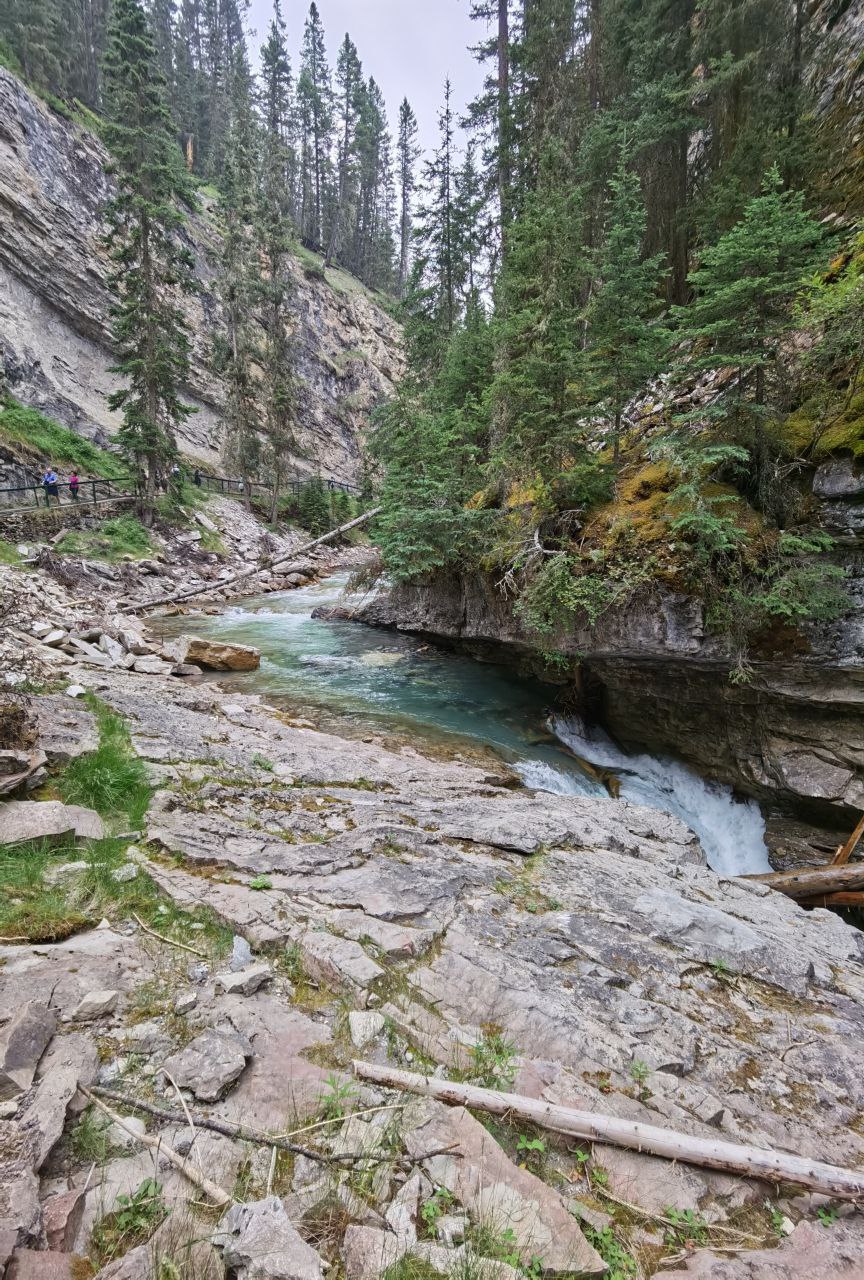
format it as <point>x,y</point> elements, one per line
<point>132,1222</point>
<point>8,553</point>
<point>119,538</point>
<point>46,441</point>
<point>30,910</point>
<point>112,780</point>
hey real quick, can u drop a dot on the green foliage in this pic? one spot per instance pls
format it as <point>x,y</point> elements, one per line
<point>89,1142</point>
<point>335,1103</point>
<point>434,1208</point>
<point>493,1060</point>
<point>8,553</point>
<point>261,882</point>
<point>132,1221</point>
<point>112,779</point>
<point>55,444</point>
<point>120,538</point>
<point>827,1216</point>
<point>622,1265</point>
<point>314,507</point>
<point>560,596</point>
<point>582,486</point>
<point>688,1228</point>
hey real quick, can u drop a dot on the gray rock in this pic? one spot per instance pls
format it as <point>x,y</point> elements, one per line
<point>246,981</point>
<point>120,1137</point>
<point>185,1002</point>
<point>838,478</point>
<point>209,1064</point>
<point>23,1040</point>
<point>75,691</point>
<point>96,1004</point>
<point>122,875</point>
<point>364,1026</point>
<point>47,820</point>
<point>258,1242</point>
<point>64,872</point>
<point>241,954</point>
<point>152,666</point>
<point>54,637</point>
<point>114,651</point>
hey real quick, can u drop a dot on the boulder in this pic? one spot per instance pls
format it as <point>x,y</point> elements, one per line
<point>214,655</point>
<point>47,820</point>
<point>96,1004</point>
<point>54,637</point>
<point>258,1242</point>
<point>23,1040</point>
<point>112,648</point>
<point>838,478</point>
<point>66,731</point>
<point>45,1264</point>
<point>209,1064</point>
<point>245,982</point>
<point>151,666</point>
<point>364,1026</point>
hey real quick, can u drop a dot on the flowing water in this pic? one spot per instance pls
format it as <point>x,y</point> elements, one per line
<point>382,680</point>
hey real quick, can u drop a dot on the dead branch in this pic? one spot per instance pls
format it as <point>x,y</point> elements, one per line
<point>731,1157</point>
<point>183,946</point>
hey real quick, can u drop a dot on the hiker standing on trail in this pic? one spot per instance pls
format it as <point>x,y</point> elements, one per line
<point>51,486</point>
<point>73,485</point>
<point>197,478</point>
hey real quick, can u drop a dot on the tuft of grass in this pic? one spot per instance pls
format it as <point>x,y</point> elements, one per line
<point>88,1141</point>
<point>30,911</point>
<point>411,1268</point>
<point>132,1221</point>
<point>112,779</point>
<point>8,553</point>
<point>46,441</point>
<point>116,539</point>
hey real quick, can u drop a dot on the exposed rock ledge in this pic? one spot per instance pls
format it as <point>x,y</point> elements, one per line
<point>54,326</point>
<point>792,737</point>
<point>588,934</point>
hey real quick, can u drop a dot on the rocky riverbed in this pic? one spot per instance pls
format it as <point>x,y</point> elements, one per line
<point>425,913</point>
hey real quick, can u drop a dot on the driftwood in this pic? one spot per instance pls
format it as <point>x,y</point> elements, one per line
<point>205,588</point>
<point>212,1190</point>
<point>751,1162</point>
<point>844,853</point>
<point>814,882</point>
<point>224,1127</point>
<point>847,899</point>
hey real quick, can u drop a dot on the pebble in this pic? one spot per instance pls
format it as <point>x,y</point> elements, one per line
<point>186,1002</point>
<point>122,875</point>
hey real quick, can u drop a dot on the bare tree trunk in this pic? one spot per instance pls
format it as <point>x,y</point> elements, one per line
<point>707,1153</point>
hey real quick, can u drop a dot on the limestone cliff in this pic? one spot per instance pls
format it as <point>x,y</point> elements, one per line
<point>54,335</point>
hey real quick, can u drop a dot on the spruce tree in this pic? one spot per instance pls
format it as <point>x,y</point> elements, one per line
<point>315,107</point>
<point>151,268</point>
<point>625,343</point>
<point>408,155</point>
<point>349,78</point>
<point>744,287</point>
<point>274,234</point>
<point>239,278</point>
<point>277,110</point>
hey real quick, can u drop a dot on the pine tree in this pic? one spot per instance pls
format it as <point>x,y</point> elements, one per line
<point>431,303</point>
<point>349,77</point>
<point>744,287</point>
<point>239,278</point>
<point>314,513</point>
<point>315,107</point>
<point>625,343</point>
<point>32,27</point>
<point>274,233</point>
<point>408,155</point>
<point>150,267</point>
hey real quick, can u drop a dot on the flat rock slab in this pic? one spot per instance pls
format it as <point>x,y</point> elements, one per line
<point>495,1191</point>
<point>23,1040</point>
<point>209,1064</point>
<point>47,820</point>
<point>66,730</point>
<point>44,1264</point>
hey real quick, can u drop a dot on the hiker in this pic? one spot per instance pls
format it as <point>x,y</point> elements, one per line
<point>51,486</point>
<point>197,478</point>
<point>175,478</point>
<point>73,486</point>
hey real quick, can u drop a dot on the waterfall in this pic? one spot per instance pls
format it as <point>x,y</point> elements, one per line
<point>731,831</point>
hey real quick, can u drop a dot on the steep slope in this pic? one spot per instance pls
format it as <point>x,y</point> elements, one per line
<point>54,303</point>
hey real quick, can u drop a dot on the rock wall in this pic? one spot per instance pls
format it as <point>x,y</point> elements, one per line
<point>54,302</point>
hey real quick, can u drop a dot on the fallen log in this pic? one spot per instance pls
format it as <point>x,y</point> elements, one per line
<point>732,1157</point>
<point>813,882</point>
<point>844,853</point>
<point>834,900</point>
<point>206,588</point>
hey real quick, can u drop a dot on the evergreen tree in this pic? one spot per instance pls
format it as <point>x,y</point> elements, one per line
<point>274,236</point>
<point>744,287</point>
<point>349,77</point>
<point>625,344</point>
<point>32,27</point>
<point>314,512</point>
<point>150,267</point>
<point>239,278</point>
<point>315,108</point>
<point>408,153</point>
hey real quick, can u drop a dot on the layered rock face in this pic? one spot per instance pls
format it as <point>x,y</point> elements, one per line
<point>54,301</point>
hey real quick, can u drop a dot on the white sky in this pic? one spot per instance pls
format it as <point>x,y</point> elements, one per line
<point>409,46</point>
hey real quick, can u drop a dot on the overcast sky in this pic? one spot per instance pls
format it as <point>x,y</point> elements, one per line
<point>409,47</point>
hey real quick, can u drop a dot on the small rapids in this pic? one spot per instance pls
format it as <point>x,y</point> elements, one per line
<point>389,681</point>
